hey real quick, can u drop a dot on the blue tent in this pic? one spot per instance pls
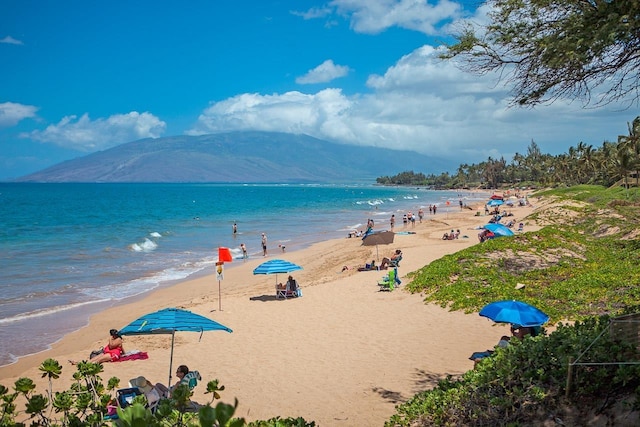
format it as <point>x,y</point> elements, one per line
<point>170,321</point>
<point>499,230</point>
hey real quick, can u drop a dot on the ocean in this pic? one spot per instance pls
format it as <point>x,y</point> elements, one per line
<point>70,250</point>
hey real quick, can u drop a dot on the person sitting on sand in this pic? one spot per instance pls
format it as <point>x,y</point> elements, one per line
<point>485,235</point>
<point>478,356</point>
<point>187,377</point>
<point>394,258</point>
<point>151,392</point>
<point>111,352</point>
<point>367,267</point>
<point>445,236</point>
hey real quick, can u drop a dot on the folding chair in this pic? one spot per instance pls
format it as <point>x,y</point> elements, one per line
<point>389,282</point>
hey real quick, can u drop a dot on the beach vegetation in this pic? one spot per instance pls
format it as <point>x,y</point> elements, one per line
<point>87,402</point>
<point>525,383</point>
<point>581,268</point>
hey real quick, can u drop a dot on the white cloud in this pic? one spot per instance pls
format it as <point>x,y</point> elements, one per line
<point>313,13</point>
<point>375,16</point>
<point>84,134</point>
<point>11,40</point>
<point>323,73</point>
<point>292,112</point>
<point>11,113</point>
<point>421,103</point>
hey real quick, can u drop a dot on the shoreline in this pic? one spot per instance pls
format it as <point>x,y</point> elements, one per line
<point>343,345</point>
<point>73,315</point>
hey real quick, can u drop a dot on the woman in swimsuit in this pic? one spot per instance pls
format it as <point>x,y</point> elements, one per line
<point>111,352</point>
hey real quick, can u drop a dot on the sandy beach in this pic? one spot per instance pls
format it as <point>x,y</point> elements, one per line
<point>344,354</point>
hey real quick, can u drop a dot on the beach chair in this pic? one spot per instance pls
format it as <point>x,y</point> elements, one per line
<point>389,282</point>
<point>281,292</point>
<point>291,290</point>
<point>192,378</point>
<point>395,263</point>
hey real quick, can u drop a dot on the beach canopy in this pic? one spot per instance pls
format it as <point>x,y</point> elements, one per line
<point>498,229</point>
<point>170,321</point>
<point>495,202</point>
<point>378,238</point>
<point>276,266</point>
<point>515,312</point>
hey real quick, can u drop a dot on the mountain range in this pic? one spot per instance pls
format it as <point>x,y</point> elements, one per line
<point>237,157</point>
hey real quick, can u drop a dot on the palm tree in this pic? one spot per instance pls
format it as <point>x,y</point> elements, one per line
<point>624,163</point>
<point>632,143</point>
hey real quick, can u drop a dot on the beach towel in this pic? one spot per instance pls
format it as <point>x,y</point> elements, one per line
<point>133,355</point>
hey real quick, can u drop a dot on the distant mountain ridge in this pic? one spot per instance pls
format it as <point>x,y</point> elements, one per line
<point>236,157</point>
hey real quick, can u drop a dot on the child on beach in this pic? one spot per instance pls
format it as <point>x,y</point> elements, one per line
<point>245,255</point>
<point>264,244</point>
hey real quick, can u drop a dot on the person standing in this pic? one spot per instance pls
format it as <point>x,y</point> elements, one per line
<point>235,228</point>
<point>420,214</point>
<point>245,255</point>
<point>392,221</point>
<point>264,244</point>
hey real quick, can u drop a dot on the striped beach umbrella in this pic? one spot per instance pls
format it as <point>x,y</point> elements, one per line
<point>276,266</point>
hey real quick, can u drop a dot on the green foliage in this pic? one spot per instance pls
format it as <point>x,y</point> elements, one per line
<point>51,368</point>
<point>526,378</point>
<point>85,404</point>
<point>550,49</point>
<point>583,268</point>
<point>404,178</point>
<point>612,164</point>
<point>577,268</point>
<point>213,387</point>
<point>282,422</point>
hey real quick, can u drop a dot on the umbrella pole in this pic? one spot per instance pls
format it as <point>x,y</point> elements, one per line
<point>173,335</point>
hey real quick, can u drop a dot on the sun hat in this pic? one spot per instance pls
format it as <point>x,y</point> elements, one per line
<point>142,383</point>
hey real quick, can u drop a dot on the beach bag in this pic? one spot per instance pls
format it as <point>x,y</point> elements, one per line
<point>95,353</point>
<point>299,292</point>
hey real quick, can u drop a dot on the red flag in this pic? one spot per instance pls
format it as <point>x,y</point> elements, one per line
<point>224,255</point>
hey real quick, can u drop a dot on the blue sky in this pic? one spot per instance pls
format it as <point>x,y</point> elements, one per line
<point>83,76</point>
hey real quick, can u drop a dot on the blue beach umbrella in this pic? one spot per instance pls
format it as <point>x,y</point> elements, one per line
<point>514,312</point>
<point>498,229</point>
<point>495,202</point>
<point>170,321</point>
<point>276,266</point>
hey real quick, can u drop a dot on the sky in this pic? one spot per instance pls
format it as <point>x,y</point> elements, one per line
<point>83,76</point>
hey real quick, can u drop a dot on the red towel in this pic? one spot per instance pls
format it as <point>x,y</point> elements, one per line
<point>134,356</point>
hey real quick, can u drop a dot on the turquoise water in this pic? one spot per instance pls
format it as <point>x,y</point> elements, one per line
<point>69,250</point>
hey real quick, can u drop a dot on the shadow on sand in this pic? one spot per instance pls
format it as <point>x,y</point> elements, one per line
<point>264,298</point>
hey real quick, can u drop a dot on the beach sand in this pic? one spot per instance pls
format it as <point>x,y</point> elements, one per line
<point>344,354</point>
